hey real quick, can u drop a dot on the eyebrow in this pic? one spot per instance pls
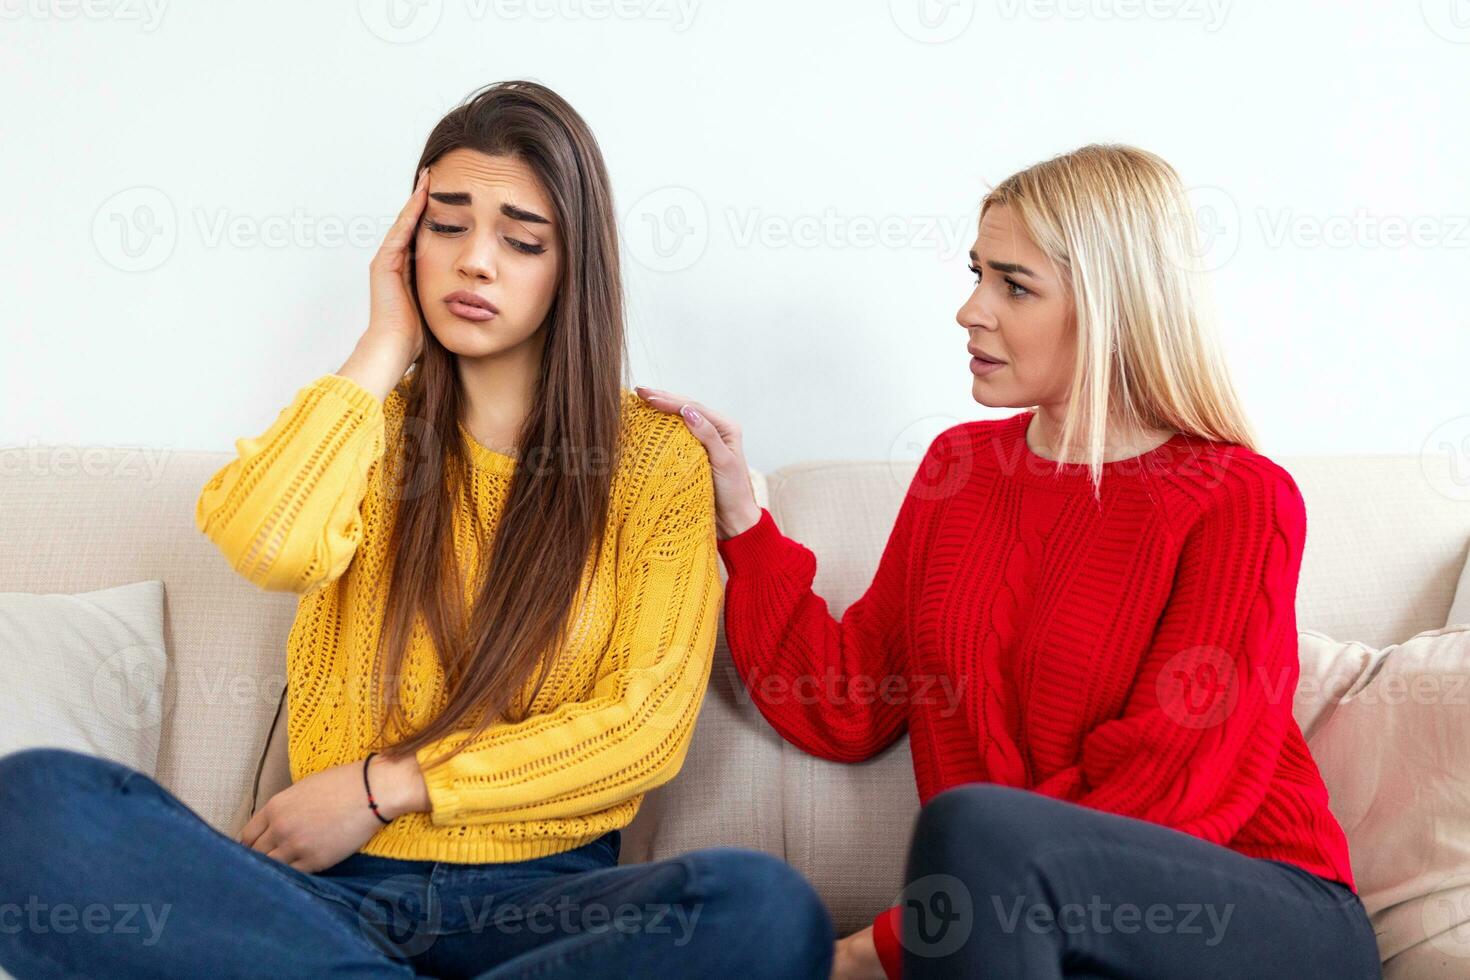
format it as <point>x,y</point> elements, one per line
<point>1011,267</point>
<point>464,199</point>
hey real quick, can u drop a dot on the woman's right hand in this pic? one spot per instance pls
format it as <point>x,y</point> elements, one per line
<point>394,338</point>
<point>735,506</point>
<point>394,314</point>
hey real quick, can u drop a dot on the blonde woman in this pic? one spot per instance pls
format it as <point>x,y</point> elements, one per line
<point>1109,577</point>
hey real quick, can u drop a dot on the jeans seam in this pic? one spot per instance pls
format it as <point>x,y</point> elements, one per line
<point>693,879</point>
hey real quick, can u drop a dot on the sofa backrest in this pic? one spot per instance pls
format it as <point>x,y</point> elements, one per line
<point>1385,546</point>
<point>72,520</point>
<point>1387,538</point>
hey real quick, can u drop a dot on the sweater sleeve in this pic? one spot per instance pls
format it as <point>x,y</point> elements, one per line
<point>888,941</point>
<point>1204,723</point>
<point>286,511</point>
<point>837,689</point>
<point>633,730</point>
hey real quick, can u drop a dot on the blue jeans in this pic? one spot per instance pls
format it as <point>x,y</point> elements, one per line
<point>1003,882</point>
<point>106,873</point>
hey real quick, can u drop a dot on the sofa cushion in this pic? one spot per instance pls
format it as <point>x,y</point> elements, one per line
<point>1390,730</point>
<point>79,518</point>
<point>84,672</point>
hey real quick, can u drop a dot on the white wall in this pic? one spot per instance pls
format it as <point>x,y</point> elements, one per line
<point>778,133</point>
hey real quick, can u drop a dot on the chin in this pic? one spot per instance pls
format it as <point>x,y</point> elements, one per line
<point>986,395</point>
<point>465,339</point>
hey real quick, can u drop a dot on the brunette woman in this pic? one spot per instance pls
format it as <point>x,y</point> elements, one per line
<point>509,598</point>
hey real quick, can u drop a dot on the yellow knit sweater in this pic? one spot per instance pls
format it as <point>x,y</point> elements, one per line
<point>307,507</point>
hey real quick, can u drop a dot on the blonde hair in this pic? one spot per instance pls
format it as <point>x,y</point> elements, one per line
<point>1117,223</point>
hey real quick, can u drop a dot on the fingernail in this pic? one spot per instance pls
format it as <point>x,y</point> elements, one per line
<point>690,415</point>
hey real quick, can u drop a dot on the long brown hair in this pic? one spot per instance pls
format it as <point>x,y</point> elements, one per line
<point>556,511</point>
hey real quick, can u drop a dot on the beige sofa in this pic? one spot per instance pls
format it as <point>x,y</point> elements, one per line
<point>1385,547</point>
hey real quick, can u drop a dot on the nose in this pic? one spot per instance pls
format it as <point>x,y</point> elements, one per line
<point>476,259</point>
<point>975,313</point>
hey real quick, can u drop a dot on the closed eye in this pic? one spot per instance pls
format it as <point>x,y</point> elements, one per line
<point>515,243</point>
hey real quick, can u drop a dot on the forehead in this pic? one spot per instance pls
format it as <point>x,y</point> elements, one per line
<point>491,180</point>
<point>1002,238</point>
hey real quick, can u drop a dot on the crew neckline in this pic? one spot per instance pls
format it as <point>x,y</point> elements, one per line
<point>483,456</point>
<point>1038,469</point>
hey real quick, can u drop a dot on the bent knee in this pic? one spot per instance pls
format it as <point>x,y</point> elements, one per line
<point>55,775</point>
<point>765,890</point>
<point>980,818</point>
<point>960,805</point>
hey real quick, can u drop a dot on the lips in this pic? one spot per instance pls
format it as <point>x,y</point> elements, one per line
<point>464,297</point>
<point>985,357</point>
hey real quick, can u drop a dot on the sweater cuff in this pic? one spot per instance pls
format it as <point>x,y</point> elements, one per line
<point>885,939</point>
<point>759,547</point>
<point>354,396</point>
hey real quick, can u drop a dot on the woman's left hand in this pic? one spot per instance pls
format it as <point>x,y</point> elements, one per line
<point>324,818</point>
<point>735,508</point>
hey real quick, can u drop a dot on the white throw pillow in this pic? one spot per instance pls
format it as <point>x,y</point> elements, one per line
<point>1390,731</point>
<point>84,672</point>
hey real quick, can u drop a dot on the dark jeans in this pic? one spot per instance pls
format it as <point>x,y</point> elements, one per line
<point>1003,882</point>
<point>103,872</point>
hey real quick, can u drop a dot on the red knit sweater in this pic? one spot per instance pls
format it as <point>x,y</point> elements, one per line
<point>1136,654</point>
